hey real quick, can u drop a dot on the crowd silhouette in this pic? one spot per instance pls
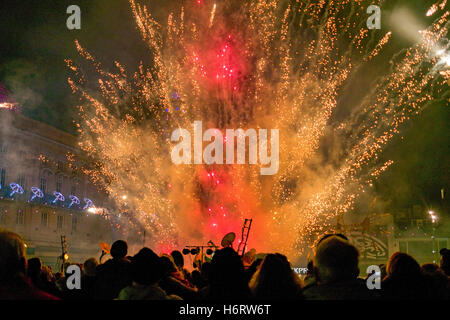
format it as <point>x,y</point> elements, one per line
<point>332,274</point>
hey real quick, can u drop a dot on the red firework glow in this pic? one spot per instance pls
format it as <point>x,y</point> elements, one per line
<point>222,207</point>
<point>221,64</point>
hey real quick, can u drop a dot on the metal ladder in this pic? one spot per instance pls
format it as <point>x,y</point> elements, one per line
<point>245,233</point>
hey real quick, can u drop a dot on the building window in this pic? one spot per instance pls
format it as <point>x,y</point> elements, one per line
<point>45,178</point>
<point>44,185</point>
<point>3,148</point>
<point>44,219</point>
<point>21,180</point>
<point>2,176</point>
<point>73,189</point>
<point>59,184</point>
<point>60,222</point>
<point>74,224</point>
<point>19,217</point>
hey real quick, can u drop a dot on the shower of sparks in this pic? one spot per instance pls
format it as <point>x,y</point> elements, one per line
<point>435,7</point>
<point>253,64</point>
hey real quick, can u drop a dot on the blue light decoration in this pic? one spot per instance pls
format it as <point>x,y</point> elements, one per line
<point>16,188</point>
<point>74,200</point>
<point>37,193</point>
<point>58,197</point>
<point>88,202</point>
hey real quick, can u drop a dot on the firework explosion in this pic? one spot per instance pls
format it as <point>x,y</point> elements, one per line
<point>251,64</point>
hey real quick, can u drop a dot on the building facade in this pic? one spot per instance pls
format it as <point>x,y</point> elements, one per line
<point>43,196</point>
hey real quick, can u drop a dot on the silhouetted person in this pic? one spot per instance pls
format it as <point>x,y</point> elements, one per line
<point>205,270</point>
<point>310,278</point>
<point>171,283</point>
<point>404,279</point>
<point>47,281</point>
<point>114,274</point>
<point>146,271</point>
<point>89,277</point>
<point>179,262</point>
<point>439,283</point>
<point>445,261</point>
<point>275,280</point>
<point>14,284</point>
<point>34,272</point>
<point>197,280</point>
<point>178,259</point>
<point>336,272</point>
<point>227,277</point>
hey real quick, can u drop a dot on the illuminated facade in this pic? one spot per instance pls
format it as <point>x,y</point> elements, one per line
<point>43,198</point>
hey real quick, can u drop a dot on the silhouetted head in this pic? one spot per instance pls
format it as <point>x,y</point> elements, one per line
<point>119,249</point>
<point>226,264</point>
<point>12,255</point>
<point>90,266</point>
<point>335,260</point>
<point>34,267</point>
<point>275,279</point>
<point>429,268</point>
<point>145,267</point>
<point>340,235</point>
<point>178,258</point>
<point>196,277</point>
<point>46,273</point>
<point>227,275</point>
<point>402,265</point>
<point>167,265</point>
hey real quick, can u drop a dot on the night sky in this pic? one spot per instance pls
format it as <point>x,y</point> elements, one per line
<point>35,41</point>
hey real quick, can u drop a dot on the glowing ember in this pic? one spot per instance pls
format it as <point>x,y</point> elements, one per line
<point>9,106</point>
